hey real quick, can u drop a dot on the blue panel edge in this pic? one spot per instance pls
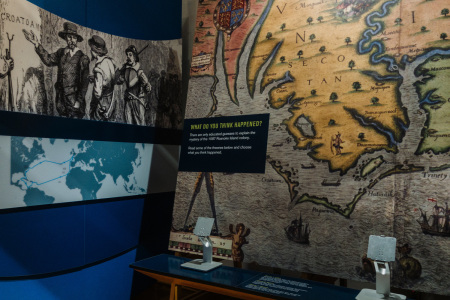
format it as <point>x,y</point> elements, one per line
<point>145,20</point>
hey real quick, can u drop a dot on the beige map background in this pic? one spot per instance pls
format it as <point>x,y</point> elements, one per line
<point>394,162</point>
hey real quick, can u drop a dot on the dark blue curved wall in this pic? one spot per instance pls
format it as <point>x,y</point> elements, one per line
<point>82,250</point>
<point>43,241</point>
<point>109,280</point>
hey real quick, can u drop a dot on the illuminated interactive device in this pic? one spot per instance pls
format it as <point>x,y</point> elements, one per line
<point>382,251</point>
<point>203,230</point>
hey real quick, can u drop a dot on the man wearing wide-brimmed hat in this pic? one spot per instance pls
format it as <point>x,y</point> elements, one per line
<point>73,71</point>
<point>102,103</point>
<point>137,86</point>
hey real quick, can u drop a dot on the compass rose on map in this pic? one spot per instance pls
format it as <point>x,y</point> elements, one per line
<point>230,14</point>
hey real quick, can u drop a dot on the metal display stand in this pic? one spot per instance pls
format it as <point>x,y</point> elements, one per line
<point>382,251</point>
<point>203,230</point>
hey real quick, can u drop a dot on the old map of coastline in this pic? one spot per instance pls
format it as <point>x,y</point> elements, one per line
<point>358,96</point>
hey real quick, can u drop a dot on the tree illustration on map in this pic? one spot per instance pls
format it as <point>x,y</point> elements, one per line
<point>381,84</point>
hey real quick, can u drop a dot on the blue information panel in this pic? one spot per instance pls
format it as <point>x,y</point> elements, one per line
<point>235,144</point>
<point>283,287</point>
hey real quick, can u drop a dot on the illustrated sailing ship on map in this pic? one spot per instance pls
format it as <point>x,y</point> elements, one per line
<point>438,223</point>
<point>298,231</point>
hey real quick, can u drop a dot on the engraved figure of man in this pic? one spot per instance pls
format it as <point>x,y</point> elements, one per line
<point>102,103</point>
<point>7,67</point>
<point>336,143</point>
<point>73,71</point>
<point>137,86</point>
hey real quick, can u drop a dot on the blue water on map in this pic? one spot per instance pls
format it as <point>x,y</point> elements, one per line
<point>427,100</point>
<point>41,168</point>
<point>369,33</point>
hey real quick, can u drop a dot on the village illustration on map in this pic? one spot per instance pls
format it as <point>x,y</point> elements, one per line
<point>359,103</point>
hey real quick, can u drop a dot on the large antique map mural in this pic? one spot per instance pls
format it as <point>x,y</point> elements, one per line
<point>359,100</point>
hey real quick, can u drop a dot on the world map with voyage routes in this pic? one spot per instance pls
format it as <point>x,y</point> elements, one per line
<point>47,171</point>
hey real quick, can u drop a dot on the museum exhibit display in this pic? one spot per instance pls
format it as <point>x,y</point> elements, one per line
<point>310,138</point>
<point>356,140</point>
<point>235,282</point>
